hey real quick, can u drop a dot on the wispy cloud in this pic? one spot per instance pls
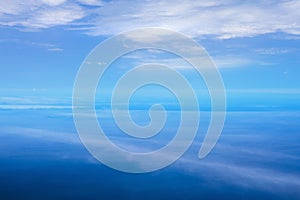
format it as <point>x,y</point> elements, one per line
<point>176,62</point>
<point>36,15</point>
<point>28,102</point>
<point>24,107</point>
<point>199,18</point>
<point>226,19</point>
<point>53,2</point>
<point>267,91</point>
<point>272,51</point>
<point>46,46</point>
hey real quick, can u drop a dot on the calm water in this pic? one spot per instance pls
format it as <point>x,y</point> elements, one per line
<point>257,156</point>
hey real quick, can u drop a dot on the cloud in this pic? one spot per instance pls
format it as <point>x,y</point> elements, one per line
<point>46,46</point>
<point>176,62</point>
<point>22,107</point>
<point>53,2</point>
<point>55,49</point>
<point>36,15</point>
<point>199,18</point>
<point>268,91</point>
<point>54,17</point>
<point>91,2</point>
<point>272,51</point>
<point>34,102</point>
<point>226,19</point>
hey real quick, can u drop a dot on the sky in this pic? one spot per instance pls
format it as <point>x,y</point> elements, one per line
<point>255,45</point>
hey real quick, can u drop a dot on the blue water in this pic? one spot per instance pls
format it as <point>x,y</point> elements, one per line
<point>257,156</point>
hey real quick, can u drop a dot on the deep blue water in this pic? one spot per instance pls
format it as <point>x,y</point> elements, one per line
<point>257,156</point>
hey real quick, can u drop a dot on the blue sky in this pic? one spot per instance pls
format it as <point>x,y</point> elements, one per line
<point>255,44</point>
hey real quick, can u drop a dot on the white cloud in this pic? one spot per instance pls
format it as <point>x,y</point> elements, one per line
<point>228,61</point>
<point>221,61</point>
<point>55,49</point>
<point>198,18</point>
<point>54,17</point>
<point>223,20</point>
<point>9,102</point>
<point>272,51</point>
<point>53,2</point>
<point>268,91</point>
<point>30,106</point>
<point>58,16</point>
<point>16,7</point>
<point>91,2</point>
<point>46,46</point>
<point>36,15</point>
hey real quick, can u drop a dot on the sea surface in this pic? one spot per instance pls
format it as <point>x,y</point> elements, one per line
<point>42,157</point>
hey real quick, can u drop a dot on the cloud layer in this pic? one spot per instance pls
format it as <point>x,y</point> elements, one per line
<point>224,19</point>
